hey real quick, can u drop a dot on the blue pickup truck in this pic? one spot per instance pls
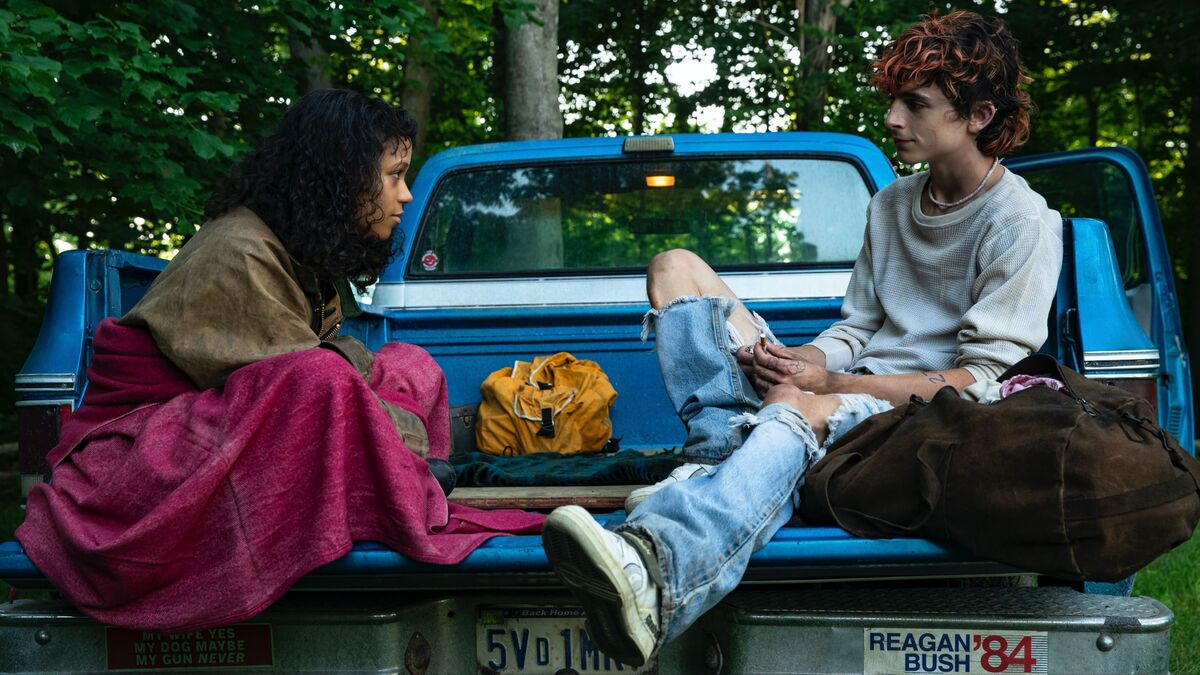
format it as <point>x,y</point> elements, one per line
<point>514,250</point>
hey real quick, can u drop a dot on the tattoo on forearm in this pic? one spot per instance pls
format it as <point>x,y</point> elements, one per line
<point>936,378</point>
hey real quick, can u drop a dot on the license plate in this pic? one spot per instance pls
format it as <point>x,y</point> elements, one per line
<point>540,641</point>
<point>240,646</point>
<point>920,650</point>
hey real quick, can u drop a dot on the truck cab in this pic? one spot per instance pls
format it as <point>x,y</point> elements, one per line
<point>514,250</point>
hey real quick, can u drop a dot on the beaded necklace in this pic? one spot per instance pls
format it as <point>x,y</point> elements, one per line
<point>964,200</point>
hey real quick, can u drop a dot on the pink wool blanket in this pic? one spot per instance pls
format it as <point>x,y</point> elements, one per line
<point>173,508</point>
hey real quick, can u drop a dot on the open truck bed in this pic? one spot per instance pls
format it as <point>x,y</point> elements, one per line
<point>815,599</point>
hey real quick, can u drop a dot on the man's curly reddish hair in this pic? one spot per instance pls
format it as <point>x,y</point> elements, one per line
<point>971,59</point>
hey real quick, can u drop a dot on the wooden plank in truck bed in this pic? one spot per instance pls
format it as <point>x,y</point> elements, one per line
<point>594,497</point>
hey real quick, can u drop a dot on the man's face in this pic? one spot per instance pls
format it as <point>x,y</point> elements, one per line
<point>925,126</point>
<point>382,217</point>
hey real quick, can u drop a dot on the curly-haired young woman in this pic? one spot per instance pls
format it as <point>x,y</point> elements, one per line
<point>230,440</point>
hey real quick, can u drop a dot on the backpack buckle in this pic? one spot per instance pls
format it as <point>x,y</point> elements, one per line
<point>547,430</point>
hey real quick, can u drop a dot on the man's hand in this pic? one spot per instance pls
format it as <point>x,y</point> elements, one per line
<point>804,367</point>
<point>777,364</point>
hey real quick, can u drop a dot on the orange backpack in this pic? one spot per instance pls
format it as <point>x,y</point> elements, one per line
<point>555,403</point>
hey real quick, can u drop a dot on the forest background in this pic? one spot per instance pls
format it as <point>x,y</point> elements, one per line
<point>117,118</point>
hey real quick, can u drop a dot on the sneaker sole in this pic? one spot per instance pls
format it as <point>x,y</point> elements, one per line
<point>581,559</point>
<point>638,496</point>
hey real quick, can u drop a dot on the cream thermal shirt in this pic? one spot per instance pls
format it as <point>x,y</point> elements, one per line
<point>970,289</point>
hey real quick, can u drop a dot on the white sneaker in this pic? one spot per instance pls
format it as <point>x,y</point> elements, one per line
<point>607,575</point>
<point>681,473</point>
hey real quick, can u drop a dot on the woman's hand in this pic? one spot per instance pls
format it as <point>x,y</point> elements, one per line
<point>776,364</point>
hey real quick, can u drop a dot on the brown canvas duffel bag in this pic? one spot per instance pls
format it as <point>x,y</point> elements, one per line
<point>1080,484</point>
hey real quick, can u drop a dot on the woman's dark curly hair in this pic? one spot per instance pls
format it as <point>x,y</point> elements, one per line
<point>971,60</point>
<point>312,180</point>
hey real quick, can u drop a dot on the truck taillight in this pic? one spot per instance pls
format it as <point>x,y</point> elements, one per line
<point>38,424</point>
<point>1134,370</point>
<point>1145,387</point>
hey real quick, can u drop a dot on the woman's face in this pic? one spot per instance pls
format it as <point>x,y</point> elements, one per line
<point>381,217</point>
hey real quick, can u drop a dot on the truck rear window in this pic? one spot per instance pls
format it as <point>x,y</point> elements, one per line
<point>615,216</point>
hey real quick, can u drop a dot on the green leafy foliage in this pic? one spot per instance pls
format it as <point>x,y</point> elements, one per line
<point>1113,73</point>
<point>117,118</point>
<point>632,68</point>
<point>101,112</point>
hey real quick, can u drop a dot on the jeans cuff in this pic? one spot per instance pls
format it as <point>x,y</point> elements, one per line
<point>643,541</point>
<point>780,412</point>
<point>851,411</point>
<point>648,317</point>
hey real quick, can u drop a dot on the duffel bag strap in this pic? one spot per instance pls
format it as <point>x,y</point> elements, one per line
<point>1185,484</point>
<point>1137,500</point>
<point>1179,458</point>
<point>546,415</point>
<point>933,457</point>
<point>816,487</point>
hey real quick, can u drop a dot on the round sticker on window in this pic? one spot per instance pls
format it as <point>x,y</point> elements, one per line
<point>429,261</point>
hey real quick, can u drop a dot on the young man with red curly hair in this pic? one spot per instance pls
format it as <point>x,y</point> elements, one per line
<point>954,282</point>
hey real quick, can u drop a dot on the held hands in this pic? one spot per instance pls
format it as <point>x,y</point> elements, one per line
<point>776,364</point>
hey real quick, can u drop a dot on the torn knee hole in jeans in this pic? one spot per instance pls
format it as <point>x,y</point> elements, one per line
<point>733,336</point>
<point>852,406</point>
<point>777,412</point>
<point>655,313</point>
<point>736,341</point>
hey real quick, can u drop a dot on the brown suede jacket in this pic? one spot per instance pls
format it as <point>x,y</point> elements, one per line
<point>233,296</point>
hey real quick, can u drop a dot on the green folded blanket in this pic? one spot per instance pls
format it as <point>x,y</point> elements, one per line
<point>627,467</point>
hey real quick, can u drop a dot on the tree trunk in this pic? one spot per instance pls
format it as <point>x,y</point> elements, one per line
<point>418,79</point>
<point>3,260</point>
<point>531,64</point>
<point>817,22</point>
<point>499,75</point>
<point>637,81</point>
<point>310,53</point>
<point>683,108</point>
<point>532,112</point>
<point>1093,106</point>
<point>1141,117</point>
<point>25,262</point>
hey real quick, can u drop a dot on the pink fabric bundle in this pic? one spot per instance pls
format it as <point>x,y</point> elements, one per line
<point>172,508</point>
<point>1022,382</point>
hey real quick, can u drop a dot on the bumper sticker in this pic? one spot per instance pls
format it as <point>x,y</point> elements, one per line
<point>920,650</point>
<point>240,646</point>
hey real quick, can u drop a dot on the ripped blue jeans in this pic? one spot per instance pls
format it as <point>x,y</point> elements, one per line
<point>703,530</point>
<point>696,347</point>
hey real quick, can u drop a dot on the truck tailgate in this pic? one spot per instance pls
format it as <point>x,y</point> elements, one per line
<point>775,630</point>
<point>794,554</point>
